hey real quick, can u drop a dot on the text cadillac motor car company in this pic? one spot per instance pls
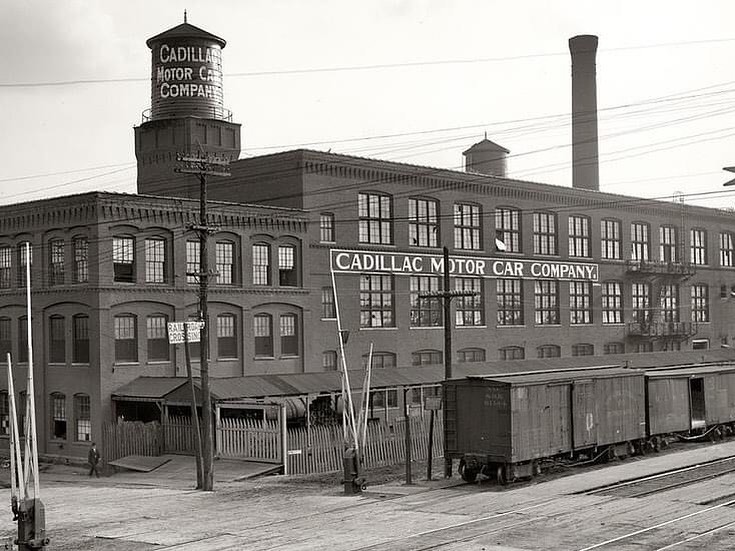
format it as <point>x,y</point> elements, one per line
<point>346,261</point>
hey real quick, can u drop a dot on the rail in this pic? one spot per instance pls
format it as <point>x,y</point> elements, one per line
<point>218,113</point>
<point>662,329</point>
<point>652,267</point>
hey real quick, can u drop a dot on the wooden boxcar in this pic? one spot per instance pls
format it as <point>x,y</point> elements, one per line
<point>503,425</point>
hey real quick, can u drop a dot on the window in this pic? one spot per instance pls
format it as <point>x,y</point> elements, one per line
<point>669,299</point>
<point>613,348</point>
<point>645,346</point>
<point>155,260</point>
<point>261,264</point>
<point>287,266</point>
<point>580,302</point>
<point>423,223</point>
<point>57,340</point>
<point>21,409</point>
<point>381,360</point>
<point>6,266</point>
<point>579,236</point>
<point>668,245</point>
<point>512,353</point>
<point>640,241</point>
<point>123,259</point>
<point>641,302</point>
<point>583,349</point>
<point>326,227</point>
<point>610,239</point>
<point>328,307</point>
<point>508,228</point>
<point>467,227</point>
<point>226,336</point>
<point>158,347</point>
<point>469,310</point>
<point>80,338</point>
<point>263,330</point>
<point>23,339</point>
<point>698,246</point>
<point>376,301</point>
<point>81,260</point>
<point>375,212</point>
<point>193,257</point>
<point>4,413</point>
<point>377,399</point>
<point>510,301</point>
<point>224,259</point>
<point>471,355</point>
<point>329,360</point>
<point>612,302</point>
<point>549,351</point>
<point>700,302</point>
<point>82,414</point>
<point>425,311</point>
<point>544,233</point>
<point>56,262</point>
<point>126,342</point>
<point>23,262</point>
<point>58,416</point>
<point>427,357</point>
<point>700,344</point>
<point>727,249</point>
<point>5,341</point>
<point>546,301</point>
<point>289,335</point>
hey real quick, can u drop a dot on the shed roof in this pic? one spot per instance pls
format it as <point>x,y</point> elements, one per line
<point>149,388</point>
<point>562,376</point>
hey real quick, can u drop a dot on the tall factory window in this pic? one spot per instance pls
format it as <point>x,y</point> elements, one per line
<point>57,340</point>
<point>126,338</point>
<point>469,310</point>
<point>157,338</point>
<point>80,339</point>
<point>329,360</point>
<point>610,239</point>
<point>289,335</point>
<point>287,272</point>
<point>640,241</point>
<point>583,349</point>
<point>467,226</point>
<point>508,228</point>
<point>612,302</point>
<point>4,413</point>
<point>613,348</point>
<point>668,244</point>
<point>224,256</point>
<point>423,222</point>
<point>641,302</point>
<point>226,336</point>
<point>23,339</point>
<point>376,301</point>
<point>263,331</point>
<point>23,262</point>
<point>5,341</point>
<point>261,264</point>
<point>549,351</point>
<point>509,294</point>
<point>544,233</point>
<point>123,259</point>
<point>471,355</point>
<point>727,249</point>
<point>6,266</point>
<point>193,258</point>
<point>698,246</point>
<point>425,311</point>
<point>512,353</point>
<point>579,236</point>
<point>83,418</point>
<point>380,360</point>
<point>81,260</point>
<point>56,262</point>
<point>427,357</point>
<point>580,302</point>
<point>669,302</point>
<point>644,346</point>
<point>328,307</point>
<point>58,416</point>
<point>375,212</point>
<point>155,260</point>
<point>700,302</point>
<point>326,227</point>
<point>546,302</point>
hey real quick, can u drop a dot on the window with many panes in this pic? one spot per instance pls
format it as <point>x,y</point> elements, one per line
<point>126,340</point>
<point>700,302</point>
<point>6,266</point>
<point>123,259</point>
<point>544,233</point>
<point>512,353</point>
<point>287,272</point>
<point>5,340</point>
<point>579,236</point>
<point>612,302</point>
<point>23,339</point>
<point>226,336</point>
<point>329,360</point>
<point>471,355</point>
<point>548,351</point>
<point>261,264</point>
<point>698,246</point>
<point>326,227</point>
<point>80,339</point>
<point>25,258</point>
<point>83,417</point>
<point>56,262</point>
<point>155,260</point>
<point>610,239</point>
<point>57,339</point>
<point>668,244</point>
<point>425,311</point>
<point>380,360</point>
<point>4,413</point>
<point>546,302</point>
<point>376,301</point>
<point>583,349</point>
<point>641,302</point>
<point>375,212</point>
<point>469,310</point>
<point>81,260</point>
<point>509,293</point>
<point>157,338</point>
<point>427,357</point>
<point>328,307</point>
<point>640,241</point>
<point>193,258</point>
<point>423,222</point>
<point>224,257</point>
<point>467,226</point>
<point>613,348</point>
<point>580,302</point>
<point>263,331</point>
<point>289,335</point>
<point>58,416</point>
<point>669,302</point>
<point>727,249</point>
<point>508,228</point>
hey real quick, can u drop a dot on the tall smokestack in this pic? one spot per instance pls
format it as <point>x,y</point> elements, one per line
<point>585,162</point>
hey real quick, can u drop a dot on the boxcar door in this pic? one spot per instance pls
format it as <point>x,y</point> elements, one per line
<point>697,403</point>
<point>584,414</point>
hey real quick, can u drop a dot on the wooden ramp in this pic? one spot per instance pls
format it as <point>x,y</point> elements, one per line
<point>141,463</point>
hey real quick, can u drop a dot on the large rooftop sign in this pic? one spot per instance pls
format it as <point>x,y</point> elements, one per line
<point>348,261</point>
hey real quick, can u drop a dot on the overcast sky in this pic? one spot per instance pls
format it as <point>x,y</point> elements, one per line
<point>410,81</point>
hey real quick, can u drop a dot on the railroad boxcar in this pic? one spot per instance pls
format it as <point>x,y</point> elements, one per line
<point>502,426</point>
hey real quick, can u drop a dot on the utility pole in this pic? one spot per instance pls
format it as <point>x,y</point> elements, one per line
<point>203,166</point>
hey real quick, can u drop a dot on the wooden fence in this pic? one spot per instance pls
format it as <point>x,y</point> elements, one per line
<point>250,439</point>
<point>131,438</point>
<point>178,435</point>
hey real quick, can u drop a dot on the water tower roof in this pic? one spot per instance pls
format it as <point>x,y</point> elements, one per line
<point>485,145</point>
<point>185,30</point>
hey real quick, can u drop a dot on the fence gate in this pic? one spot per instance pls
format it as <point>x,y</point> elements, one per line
<point>252,440</point>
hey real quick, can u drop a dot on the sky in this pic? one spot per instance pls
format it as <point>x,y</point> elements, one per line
<point>415,81</point>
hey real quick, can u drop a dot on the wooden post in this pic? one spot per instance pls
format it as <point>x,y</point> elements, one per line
<point>409,480</point>
<point>194,414</point>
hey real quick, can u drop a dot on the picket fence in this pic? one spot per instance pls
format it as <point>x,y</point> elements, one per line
<point>131,438</point>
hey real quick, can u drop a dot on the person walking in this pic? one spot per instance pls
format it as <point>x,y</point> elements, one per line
<point>93,458</point>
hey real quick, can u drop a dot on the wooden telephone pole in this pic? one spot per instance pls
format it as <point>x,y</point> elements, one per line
<point>203,166</point>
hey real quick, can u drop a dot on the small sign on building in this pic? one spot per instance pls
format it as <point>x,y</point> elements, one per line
<point>176,331</point>
<point>432,403</point>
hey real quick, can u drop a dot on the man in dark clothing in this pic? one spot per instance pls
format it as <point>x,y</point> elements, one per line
<point>93,458</point>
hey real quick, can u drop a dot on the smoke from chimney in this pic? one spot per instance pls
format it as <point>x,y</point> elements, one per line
<point>585,161</point>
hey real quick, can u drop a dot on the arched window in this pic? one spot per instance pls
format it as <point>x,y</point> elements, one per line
<point>583,349</point>
<point>6,266</point>
<point>261,264</point>
<point>471,355</point>
<point>58,416</point>
<point>427,357</point>
<point>549,351</point>
<point>329,360</point>
<point>83,418</point>
<point>56,262</point>
<point>614,348</point>
<point>5,340</point>
<point>157,338</point>
<point>287,266</point>
<point>380,360</point>
<point>80,336</point>
<point>123,258</point>
<point>57,339</point>
<point>512,353</point>
<point>225,262</point>
<point>126,338</point>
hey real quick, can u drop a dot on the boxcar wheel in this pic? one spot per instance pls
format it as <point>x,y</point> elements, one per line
<point>467,474</point>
